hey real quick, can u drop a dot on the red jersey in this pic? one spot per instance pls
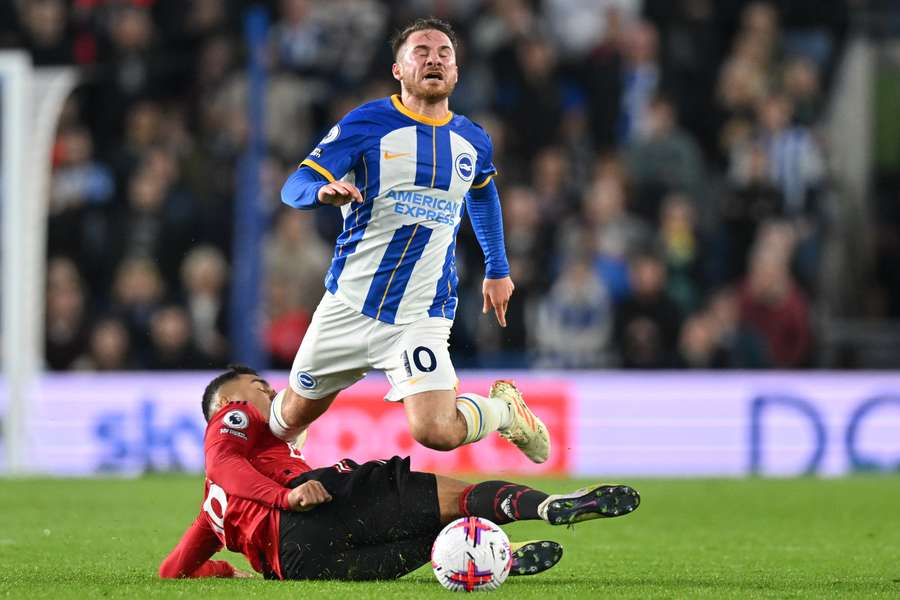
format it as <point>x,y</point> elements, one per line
<point>247,469</point>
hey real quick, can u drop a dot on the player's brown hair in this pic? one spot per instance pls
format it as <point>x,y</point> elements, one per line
<point>212,388</point>
<point>444,27</point>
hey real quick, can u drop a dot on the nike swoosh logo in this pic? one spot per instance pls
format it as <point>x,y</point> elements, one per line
<point>390,156</point>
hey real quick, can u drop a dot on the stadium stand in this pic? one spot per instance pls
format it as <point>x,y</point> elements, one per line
<point>664,180</point>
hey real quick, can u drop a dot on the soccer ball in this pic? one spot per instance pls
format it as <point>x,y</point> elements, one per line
<point>471,555</point>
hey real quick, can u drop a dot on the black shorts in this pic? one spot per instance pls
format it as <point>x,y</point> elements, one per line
<point>380,523</point>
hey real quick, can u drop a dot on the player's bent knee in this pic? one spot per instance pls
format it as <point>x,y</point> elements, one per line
<point>435,437</point>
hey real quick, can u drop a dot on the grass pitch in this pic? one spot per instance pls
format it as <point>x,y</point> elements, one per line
<point>801,538</point>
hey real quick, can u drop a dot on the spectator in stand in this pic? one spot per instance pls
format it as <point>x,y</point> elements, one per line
<point>796,165</point>
<point>46,35</point>
<point>641,78</point>
<point>286,322</point>
<point>157,223</point>
<point>143,131</point>
<point>66,324</point>
<point>133,67</point>
<point>138,291</point>
<point>289,101</point>
<point>698,344</point>
<point>800,81</point>
<point>741,345</point>
<point>662,157</point>
<point>550,180</point>
<point>575,138</point>
<point>204,274</point>
<point>295,255</point>
<point>752,200</point>
<point>684,250</point>
<point>771,302</point>
<point>497,28</point>
<point>600,76</point>
<point>648,323</point>
<point>216,61</point>
<point>574,321</point>
<point>692,44</point>
<point>80,192</point>
<point>109,348</point>
<point>171,345</point>
<point>577,24</point>
<point>527,238</point>
<point>299,38</point>
<point>615,233</point>
<point>357,30</point>
<point>758,40</point>
<point>740,89</point>
<point>536,113</point>
<point>78,179</point>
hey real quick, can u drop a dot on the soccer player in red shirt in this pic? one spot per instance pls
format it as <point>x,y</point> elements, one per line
<point>349,521</point>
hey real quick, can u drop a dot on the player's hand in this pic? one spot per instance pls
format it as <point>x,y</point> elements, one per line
<point>241,574</point>
<point>338,193</point>
<point>308,495</point>
<point>496,294</point>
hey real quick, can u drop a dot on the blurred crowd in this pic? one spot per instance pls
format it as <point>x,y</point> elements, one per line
<point>662,173</point>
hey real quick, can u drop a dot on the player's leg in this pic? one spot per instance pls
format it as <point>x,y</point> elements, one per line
<point>417,362</point>
<point>434,419</point>
<point>390,560</point>
<point>292,413</point>
<point>353,537</point>
<point>331,358</point>
<point>504,502</point>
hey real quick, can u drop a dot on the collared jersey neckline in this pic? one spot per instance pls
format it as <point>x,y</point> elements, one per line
<point>395,100</point>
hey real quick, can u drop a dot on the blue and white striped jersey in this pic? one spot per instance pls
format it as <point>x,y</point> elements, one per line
<point>395,258</point>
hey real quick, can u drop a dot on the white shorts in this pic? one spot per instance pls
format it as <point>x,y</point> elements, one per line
<point>342,345</point>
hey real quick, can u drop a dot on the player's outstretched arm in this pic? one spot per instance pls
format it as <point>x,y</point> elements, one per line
<point>191,557</point>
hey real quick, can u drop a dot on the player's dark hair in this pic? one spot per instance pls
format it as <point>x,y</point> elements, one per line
<point>444,27</point>
<point>234,371</point>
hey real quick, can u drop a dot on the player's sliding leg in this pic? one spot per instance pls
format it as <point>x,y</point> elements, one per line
<point>594,502</point>
<point>389,560</point>
<point>392,560</point>
<point>504,502</point>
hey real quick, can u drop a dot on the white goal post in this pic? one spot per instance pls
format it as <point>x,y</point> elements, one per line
<point>30,104</point>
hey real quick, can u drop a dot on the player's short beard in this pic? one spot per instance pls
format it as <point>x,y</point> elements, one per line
<point>430,95</point>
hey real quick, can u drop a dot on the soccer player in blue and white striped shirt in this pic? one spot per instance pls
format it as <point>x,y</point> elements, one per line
<point>403,169</point>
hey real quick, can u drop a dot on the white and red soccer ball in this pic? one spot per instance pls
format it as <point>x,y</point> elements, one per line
<point>471,554</point>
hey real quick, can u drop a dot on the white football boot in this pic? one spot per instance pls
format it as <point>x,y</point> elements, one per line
<point>526,431</point>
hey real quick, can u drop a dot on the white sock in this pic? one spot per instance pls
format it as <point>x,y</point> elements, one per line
<point>483,415</point>
<point>276,421</point>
